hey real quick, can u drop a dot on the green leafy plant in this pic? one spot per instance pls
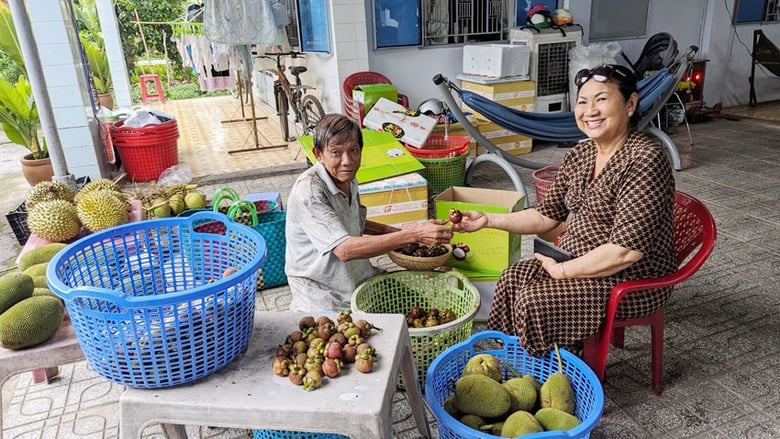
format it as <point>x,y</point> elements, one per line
<point>18,113</point>
<point>19,117</point>
<point>98,65</point>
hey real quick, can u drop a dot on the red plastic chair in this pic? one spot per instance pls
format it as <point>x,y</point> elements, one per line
<point>355,110</point>
<point>693,227</point>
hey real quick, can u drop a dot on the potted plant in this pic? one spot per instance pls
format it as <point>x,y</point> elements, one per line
<point>99,68</point>
<point>20,122</point>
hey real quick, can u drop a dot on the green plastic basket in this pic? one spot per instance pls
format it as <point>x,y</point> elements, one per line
<point>398,292</point>
<point>444,173</point>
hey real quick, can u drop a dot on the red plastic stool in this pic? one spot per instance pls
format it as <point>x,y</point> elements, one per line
<point>142,80</point>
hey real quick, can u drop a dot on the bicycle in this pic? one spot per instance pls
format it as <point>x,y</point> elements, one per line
<point>306,107</point>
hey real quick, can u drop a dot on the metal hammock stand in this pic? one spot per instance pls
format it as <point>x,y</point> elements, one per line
<point>654,92</point>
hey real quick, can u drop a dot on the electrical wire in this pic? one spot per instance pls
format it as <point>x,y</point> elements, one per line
<point>748,49</point>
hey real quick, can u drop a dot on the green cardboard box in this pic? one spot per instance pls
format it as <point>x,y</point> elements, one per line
<point>369,94</point>
<point>490,250</point>
<point>383,156</point>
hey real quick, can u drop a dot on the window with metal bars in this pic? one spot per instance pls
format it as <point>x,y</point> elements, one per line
<point>461,21</point>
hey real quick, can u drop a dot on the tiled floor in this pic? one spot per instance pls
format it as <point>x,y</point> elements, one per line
<point>722,339</point>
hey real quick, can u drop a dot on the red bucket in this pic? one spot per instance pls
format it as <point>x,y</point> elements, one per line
<point>441,147</point>
<point>146,151</point>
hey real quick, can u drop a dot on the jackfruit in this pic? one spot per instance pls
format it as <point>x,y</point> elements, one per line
<point>37,269</point>
<point>101,209</point>
<point>14,287</point>
<point>31,322</point>
<point>556,392</point>
<point>495,428</point>
<point>483,364</point>
<point>101,184</point>
<point>450,407</point>
<point>520,423</point>
<point>482,396</point>
<point>522,391</point>
<point>47,191</point>
<point>554,419</point>
<point>473,421</point>
<point>54,220</point>
<point>40,291</point>
<point>40,282</point>
<point>39,254</point>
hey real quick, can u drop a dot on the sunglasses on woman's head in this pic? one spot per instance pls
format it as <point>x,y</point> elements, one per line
<point>600,74</point>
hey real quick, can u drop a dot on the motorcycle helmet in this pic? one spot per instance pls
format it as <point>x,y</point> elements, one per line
<point>432,107</point>
<point>562,17</point>
<point>539,16</point>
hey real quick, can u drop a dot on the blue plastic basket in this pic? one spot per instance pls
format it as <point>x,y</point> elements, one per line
<point>278,434</point>
<point>447,367</point>
<point>148,301</point>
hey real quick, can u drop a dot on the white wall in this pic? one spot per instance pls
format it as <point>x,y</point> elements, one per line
<point>703,23</point>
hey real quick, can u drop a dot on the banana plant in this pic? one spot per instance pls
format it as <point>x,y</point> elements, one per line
<point>98,65</point>
<point>19,117</point>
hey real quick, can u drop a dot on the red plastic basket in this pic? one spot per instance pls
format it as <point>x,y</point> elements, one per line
<point>441,147</point>
<point>146,151</point>
<point>543,179</point>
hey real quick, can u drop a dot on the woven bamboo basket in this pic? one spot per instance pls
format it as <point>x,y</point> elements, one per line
<point>420,263</point>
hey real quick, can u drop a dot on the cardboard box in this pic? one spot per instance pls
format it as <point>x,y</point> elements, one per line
<point>490,250</point>
<point>520,95</point>
<point>396,201</point>
<point>506,140</point>
<point>394,118</point>
<point>496,60</point>
<point>502,91</point>
<point>383,156</point>
<point>369,94</point>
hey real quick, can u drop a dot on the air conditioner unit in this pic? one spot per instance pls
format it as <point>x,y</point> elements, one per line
<point>549,61</point>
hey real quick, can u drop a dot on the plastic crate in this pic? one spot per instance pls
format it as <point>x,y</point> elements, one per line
<point>17,219</point>
<point>445,173</point>
<point>447,368</point>
<point>441,147</point>
<point>398,292</point>
<point>148,301</point>
<point>278,434</point>
<point>543,179</point>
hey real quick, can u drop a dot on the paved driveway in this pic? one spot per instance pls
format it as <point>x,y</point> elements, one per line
<point>13,189</point>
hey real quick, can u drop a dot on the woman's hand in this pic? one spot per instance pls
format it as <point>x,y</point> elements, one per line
<point>434,232</point>
<point>551,266</point>
<point>471,222</point>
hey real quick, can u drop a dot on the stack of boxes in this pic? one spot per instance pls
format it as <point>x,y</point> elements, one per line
<point>499,72</point>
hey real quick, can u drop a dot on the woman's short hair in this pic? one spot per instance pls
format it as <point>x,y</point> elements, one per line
<point>336,126</point>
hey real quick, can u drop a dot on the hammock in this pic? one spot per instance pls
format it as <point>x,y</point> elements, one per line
<point>561,127</point>
<point>654,92</point>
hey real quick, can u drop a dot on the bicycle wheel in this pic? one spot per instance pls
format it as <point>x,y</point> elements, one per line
<point>311,113</point>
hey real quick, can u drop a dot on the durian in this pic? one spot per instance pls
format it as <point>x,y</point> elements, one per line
<point>55,220</point>
<point>47,191</point>
<point>101,209</point>
<point>96,185</point>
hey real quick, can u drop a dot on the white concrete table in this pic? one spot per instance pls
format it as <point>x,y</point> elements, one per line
<point>62,348</point>
<point>247,394</point>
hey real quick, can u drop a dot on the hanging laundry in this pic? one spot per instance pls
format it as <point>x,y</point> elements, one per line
<point>240,22</point>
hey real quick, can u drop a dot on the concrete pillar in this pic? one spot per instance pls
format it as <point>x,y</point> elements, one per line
<point>116,57</point>
<point>57,42</point>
